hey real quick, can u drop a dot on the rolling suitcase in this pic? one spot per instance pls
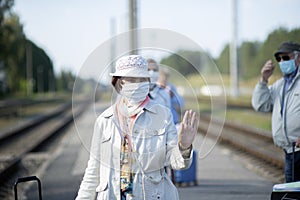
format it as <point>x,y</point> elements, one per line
<point>286,191</point>
<point>27,179</point>
<point>187,175</point>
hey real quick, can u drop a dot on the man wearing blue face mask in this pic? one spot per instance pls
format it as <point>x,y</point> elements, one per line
<point>283,99</point>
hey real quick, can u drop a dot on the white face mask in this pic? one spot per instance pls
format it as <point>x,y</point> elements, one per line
<point>135,92</point>
<point>153,76</point>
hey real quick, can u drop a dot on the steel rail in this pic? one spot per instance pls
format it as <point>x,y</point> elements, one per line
<point>22,140</point>
<point>255,142</point>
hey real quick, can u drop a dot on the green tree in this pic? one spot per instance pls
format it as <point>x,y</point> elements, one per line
<point>43,72</point>
<point>185,62</point>
<point>13,54</point>
<point>253,55</point>
<point>223,60</point>
<point>12,51</point>
<point>247,54</point>
<point>13,44</point>
<point>5,7</point>
<point>65,81</point>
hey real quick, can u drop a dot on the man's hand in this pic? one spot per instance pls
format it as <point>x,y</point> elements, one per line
<point>188,129</point>
<point>267,70</point>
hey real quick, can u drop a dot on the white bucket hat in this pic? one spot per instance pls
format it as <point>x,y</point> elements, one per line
<point>131,66</point>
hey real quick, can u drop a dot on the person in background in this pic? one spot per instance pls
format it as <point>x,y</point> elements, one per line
<point>282,99</point>
<point>134,140</point>
<point>177,102</point>
<point>157,93</point>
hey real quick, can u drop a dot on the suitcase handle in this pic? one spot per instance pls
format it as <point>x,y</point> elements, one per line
<point>26,179</point>
<point>293,161</point>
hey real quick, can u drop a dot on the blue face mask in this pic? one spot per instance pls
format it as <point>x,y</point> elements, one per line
<point>287,67</point>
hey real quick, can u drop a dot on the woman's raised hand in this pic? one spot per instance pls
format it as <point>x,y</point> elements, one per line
<point>188,129</point>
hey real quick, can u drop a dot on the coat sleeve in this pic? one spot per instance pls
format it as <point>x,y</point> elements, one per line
<point>262,99</point>
<point>174,156</point>
<point>91,177</point>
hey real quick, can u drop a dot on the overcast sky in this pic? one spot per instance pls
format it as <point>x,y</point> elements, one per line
<point>70,30</point>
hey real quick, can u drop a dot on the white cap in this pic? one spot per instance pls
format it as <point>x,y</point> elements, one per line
<point>131,66</point>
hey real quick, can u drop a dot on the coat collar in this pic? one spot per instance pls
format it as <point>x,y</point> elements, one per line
<point>109,112</point>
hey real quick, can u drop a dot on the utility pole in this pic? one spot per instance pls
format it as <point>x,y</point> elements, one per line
<point>133,25</point>
<point>233,52</point>
<point>2,78</point>
<point>40,79</point>
<point>29,68</point>
<point>113,43</point>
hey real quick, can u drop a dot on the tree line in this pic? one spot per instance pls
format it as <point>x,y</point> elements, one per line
<point>251,56</point>
<point>23,64</point>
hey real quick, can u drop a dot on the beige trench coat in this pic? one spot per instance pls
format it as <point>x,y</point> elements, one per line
<point>155,144</point>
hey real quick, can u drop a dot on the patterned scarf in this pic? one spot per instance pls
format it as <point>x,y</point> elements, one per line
<point>130,110</point>
<point>125,117</point>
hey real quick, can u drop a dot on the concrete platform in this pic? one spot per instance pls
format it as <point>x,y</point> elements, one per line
<point>219,175</point>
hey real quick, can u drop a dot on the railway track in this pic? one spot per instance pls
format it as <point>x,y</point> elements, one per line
<point>21,140</point>
<point>13,107</point>
<point>252,142</point>
<point>17,142</point>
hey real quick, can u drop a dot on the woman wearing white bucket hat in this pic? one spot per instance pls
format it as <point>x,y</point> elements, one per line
<point>134,140</point>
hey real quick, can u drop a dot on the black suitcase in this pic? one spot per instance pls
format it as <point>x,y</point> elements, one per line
<point>285,196</point>
<point>27,179</point>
